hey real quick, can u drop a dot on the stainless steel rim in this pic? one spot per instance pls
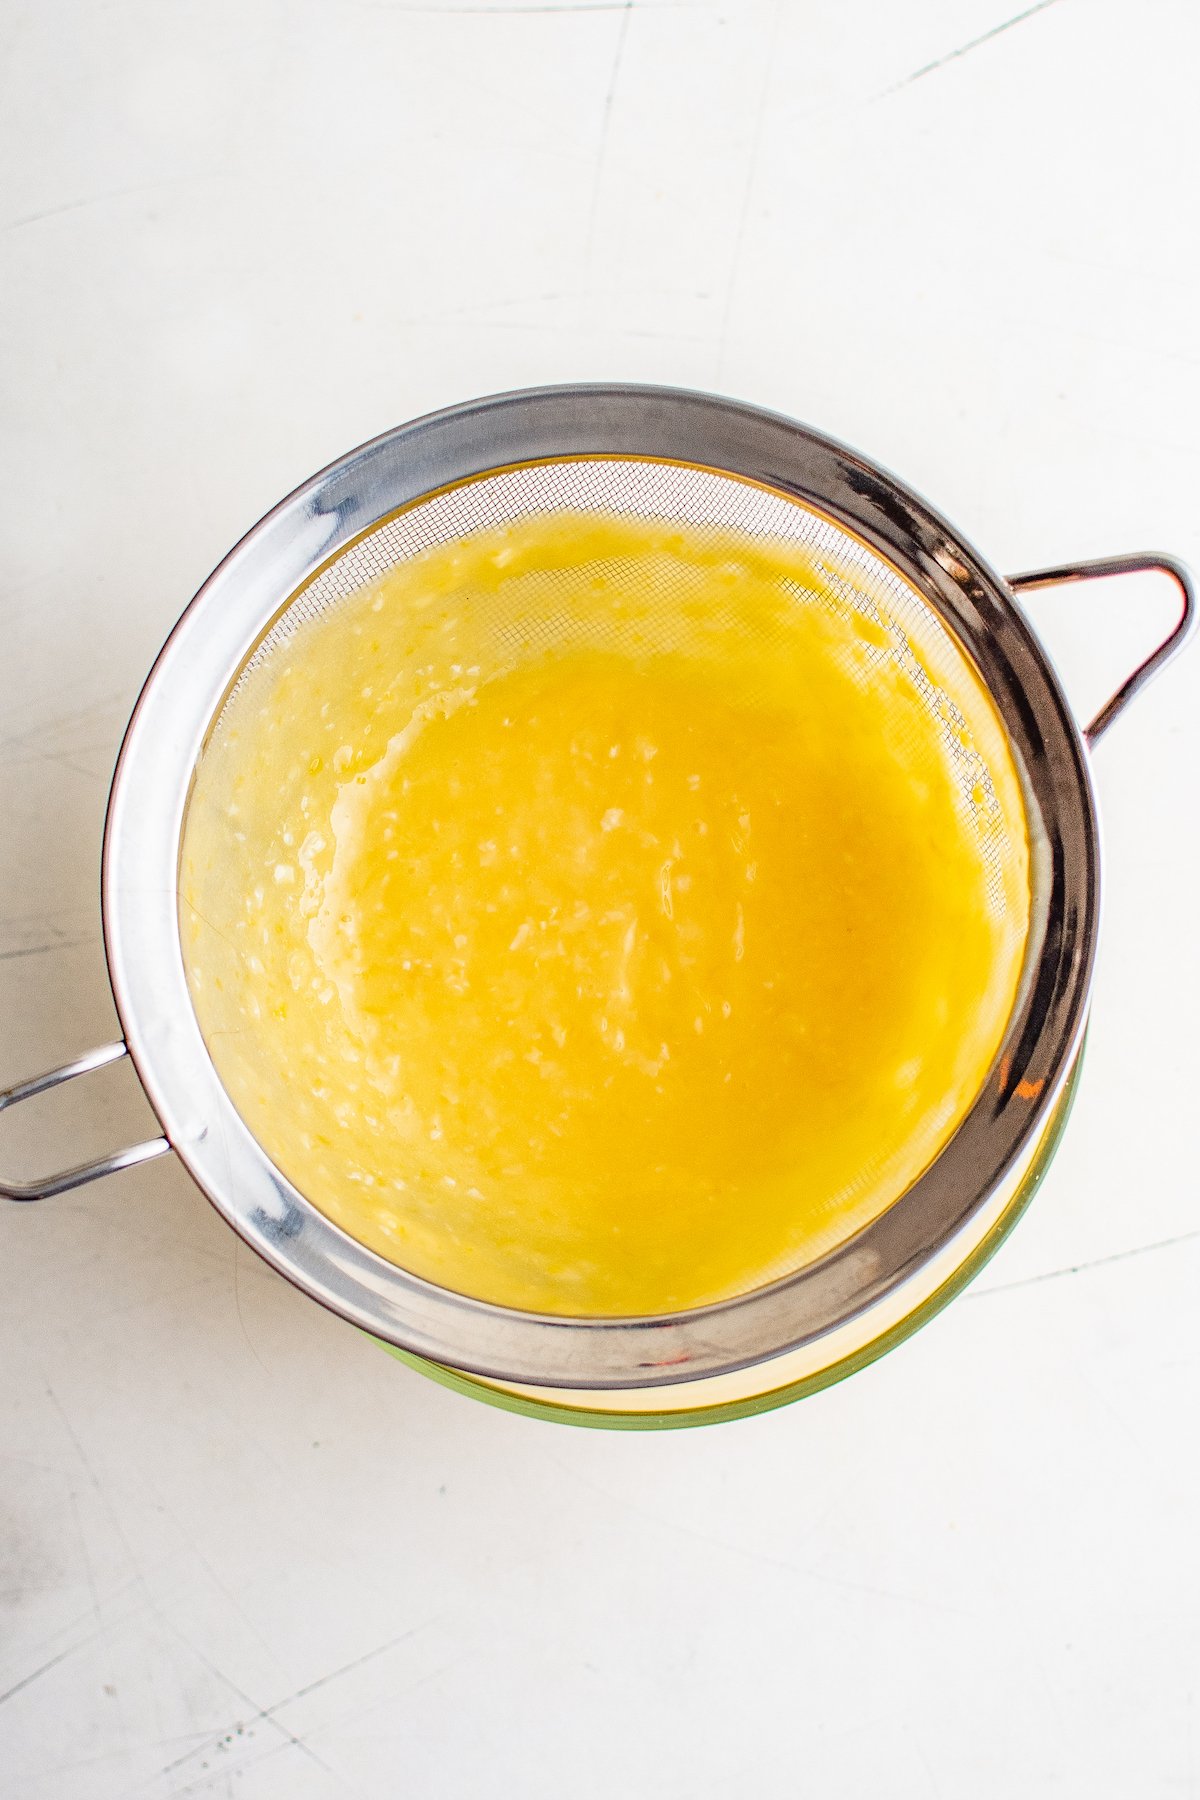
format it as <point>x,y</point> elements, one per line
<point>184,693</point>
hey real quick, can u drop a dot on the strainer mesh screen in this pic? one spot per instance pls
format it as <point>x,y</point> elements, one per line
<point>492,1101</point>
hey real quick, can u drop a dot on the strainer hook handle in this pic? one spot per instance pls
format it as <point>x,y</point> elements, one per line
<point>66,1179</point>
<point>1136,563</point>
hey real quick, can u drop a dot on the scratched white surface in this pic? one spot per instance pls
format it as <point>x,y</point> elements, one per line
<point>244,1554</point>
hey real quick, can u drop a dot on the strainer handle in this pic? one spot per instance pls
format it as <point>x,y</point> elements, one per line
<point>85,1172</point>
<point>1137,562</point>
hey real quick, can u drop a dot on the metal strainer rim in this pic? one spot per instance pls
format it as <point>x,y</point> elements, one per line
<point>184,694</point>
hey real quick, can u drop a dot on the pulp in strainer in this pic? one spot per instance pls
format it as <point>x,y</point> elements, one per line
<point>604,915</point>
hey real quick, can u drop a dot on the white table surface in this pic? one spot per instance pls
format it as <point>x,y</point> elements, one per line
<point>242,1553</point>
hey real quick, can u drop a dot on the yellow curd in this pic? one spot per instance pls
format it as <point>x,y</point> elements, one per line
<point>596,916</point>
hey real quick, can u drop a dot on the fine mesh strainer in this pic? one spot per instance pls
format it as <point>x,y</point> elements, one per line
<point>660,455</point>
